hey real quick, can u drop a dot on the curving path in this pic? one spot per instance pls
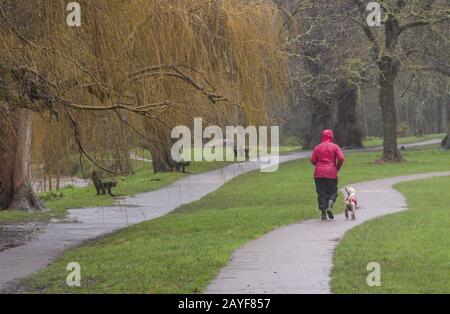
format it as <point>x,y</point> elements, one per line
<point>297,259</point>
<point>89,223</point>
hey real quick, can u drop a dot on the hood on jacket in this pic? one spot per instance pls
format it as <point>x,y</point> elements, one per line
<point>327,136</point>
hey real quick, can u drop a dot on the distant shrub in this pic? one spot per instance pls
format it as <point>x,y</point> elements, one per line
<point>50,196</point>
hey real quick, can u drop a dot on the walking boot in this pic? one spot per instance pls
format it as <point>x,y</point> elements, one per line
<point>324,214</point>
<point>330,210</point>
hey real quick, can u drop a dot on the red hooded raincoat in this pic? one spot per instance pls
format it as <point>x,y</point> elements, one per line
<point>327,157</point>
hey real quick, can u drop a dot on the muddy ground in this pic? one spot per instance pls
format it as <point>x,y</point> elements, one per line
<point>18,234</point>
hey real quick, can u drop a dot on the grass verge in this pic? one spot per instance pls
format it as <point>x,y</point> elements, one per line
<point>143,180</point>
<point>377,141</point>
<point>412,247</point>
<point>183,251</point>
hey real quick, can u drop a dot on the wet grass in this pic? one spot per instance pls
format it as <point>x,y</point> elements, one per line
<point>412,247</point>
<point>378,141</point>
<point>143,180</point>
<point>183,251</point>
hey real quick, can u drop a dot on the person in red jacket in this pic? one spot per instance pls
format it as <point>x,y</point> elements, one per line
<point>328,159</point>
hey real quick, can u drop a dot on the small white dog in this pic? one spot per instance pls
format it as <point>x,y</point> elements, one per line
<point>351,202</point>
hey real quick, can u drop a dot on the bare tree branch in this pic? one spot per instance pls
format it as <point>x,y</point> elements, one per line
<point>423,23</point>
<point>367,31</point>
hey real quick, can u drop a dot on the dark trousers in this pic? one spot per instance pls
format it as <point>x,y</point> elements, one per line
<point>327,190</point>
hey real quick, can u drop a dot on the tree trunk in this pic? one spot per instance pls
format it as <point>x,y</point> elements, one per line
<point>159,157</point>
<point>15,157</point>
<point>388,73</point>
<point>441,118</point>
<point>58,178</point>
<point>348,133</point>
<point>446,141</point>
<point>420,121</point>
<point>412,114</point>
<point>50,181</point>
<point>321,119</point>
<point>160,148</point>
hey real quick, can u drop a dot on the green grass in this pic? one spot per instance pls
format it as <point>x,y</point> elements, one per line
<point>412,247</point>
<point>143,180</point>
<point>377,141</point>
<point>15,216</point>
<point>183,251</point>
<point>289,144</point>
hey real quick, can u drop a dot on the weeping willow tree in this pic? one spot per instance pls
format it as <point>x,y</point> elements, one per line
<point>147,64</point>
<point>235,46</point>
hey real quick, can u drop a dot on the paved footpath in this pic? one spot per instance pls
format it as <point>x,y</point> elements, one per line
<point>89,223</point>
<point>297,259</point>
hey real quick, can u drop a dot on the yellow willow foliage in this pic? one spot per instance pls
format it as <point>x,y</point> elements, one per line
<point>237,44</point>
<point>231,48</point>
<point>51,142</point>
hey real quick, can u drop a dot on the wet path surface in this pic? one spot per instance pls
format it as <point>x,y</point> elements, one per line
<point>41,245</point>
<point>15,235</point>
<point>88,223</point>
<point>298,258</point>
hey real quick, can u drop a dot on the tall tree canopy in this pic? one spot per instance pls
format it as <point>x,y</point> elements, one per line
<point>150,64</point>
